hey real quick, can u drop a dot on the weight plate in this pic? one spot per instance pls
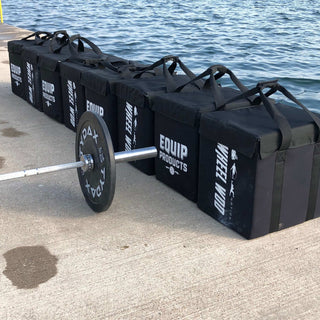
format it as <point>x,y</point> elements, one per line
<point>97,185</point>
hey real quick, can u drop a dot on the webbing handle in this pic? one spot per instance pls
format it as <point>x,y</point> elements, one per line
<point>287,94</point>
<point>57,43</point>
<point>274,87</point>
<point>37,37</point>
<point>159,63</point>
<point>168,72</point>
<point>212,84</point>
<point>75,53</point>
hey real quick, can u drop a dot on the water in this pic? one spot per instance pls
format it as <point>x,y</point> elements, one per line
<point>258,40</point>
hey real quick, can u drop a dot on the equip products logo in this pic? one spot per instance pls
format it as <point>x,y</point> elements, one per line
<point>48,92</point>
<point>16,74</point>
<point>95,108</point>
<point>173,153</point>
<point>225,177</point>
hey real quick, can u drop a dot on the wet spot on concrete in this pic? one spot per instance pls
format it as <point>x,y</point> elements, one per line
<point>12,132</point>
<point>27,267</point>
<point>2,161</point>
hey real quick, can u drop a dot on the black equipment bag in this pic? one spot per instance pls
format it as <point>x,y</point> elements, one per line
<point>63,47</point>
<point>177,116</point>
<point>23,73</point>
<point>71,71</point>
<point>99,96</point>
<point>31,67</point>
<point>135,118</point>
<point>259,167</point>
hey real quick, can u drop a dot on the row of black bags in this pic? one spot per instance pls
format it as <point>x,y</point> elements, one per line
<point>248,161</point>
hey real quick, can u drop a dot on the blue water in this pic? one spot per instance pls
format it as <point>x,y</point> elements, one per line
<point>258,40</point>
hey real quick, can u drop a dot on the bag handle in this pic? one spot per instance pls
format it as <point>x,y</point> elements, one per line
<point>99,63</point>
<point>57,43</point>
<point>175,60</point>
<point>274,87</point>
<point>229,104</point>
<point>168,72</point>
<point>276,115</point>
<point>212,84</point>
<point>74,52</point>
<point>37,36</point>
<point>125,70</point>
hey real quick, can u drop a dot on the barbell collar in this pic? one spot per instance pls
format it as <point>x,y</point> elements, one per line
<point>88,162</point>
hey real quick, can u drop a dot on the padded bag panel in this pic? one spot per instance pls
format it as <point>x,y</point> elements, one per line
<point>136,94</point>
<point>15,49</point>
<point>49,64</point>
<point>282,190</point>
<point>177,116</point>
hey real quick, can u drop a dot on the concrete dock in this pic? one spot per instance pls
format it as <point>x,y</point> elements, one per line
<point>152,255</point>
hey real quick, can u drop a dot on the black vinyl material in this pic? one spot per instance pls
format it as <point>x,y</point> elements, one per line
<point>75,78</point>
<point>247,180</point>
<point>70,49</point>
<point>134,100</point>
<point>177,116</point>
<point>17,66</point>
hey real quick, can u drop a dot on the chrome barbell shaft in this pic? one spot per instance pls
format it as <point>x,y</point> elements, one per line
<point>86,163</point>
<point>37,171</point>
<point>135,154</point>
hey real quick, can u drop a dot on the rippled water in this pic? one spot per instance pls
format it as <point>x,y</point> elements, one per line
<point>258,40</point>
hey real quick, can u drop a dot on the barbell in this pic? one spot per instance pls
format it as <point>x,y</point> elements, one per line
<point>95,162</point>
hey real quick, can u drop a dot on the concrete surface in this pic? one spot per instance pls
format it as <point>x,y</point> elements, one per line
<point>152,255</point>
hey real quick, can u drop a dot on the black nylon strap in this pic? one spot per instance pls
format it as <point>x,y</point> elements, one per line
<point>277,116</point>
<point>159,63</point>
<point>277,190</point>
<point>38,38</point>
<point>58,43</point>
<point>274,87</point>
<point>170,83</point>
<point>212,84</point>
<point>215,90</point>
<point>199,77</point>
<point>100,63</point>
<point>235,80</point>
<point>233,103</point>
<point>247,94</point>
<point>75,53</point>
<point>292,98</point>
<point>282,122</point>
<point>314,183</point>
<point>222,70</point>
<point>173,67</point>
